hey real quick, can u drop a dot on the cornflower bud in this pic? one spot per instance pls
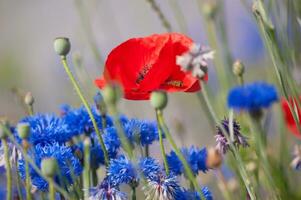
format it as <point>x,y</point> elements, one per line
<point>28,99</point>
<point>100,104</point>
<point>111,94</point>
<point>238,68</point>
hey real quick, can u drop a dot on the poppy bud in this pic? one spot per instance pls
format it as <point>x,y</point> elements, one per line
<point>238,68</point>
<point>62,46</point>
<point>49,167</point>
<point>28,99</point>
<point>111,94</point>
<point>23,130</point>
<point>159,99</point>
<point>214,158</point>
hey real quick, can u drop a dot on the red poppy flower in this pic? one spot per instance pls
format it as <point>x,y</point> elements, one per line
<point>142,65</point>
<point>289,119</point>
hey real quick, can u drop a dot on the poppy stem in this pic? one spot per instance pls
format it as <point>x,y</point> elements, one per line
<point>85,102</point>
<point>158,112</point>
<point>180,155</point>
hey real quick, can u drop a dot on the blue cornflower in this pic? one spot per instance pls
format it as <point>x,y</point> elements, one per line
<point>121,170</point>
<point>162,187</point>
<point>79,122</point>
<point>68,164</point>
<point>141,132</point>
<point>188,195</point>
<point>46,128</point>
<point>112,144</point>
<point>196,159</point>
<point>252,96</point>
<point>106,191</point>
<point>149,167</point>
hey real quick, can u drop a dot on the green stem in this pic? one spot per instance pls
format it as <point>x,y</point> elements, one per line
<point>133,193</point>
<point>33,164</point>
<point>146,150</point>
<point>120,131</point>
<point>240,165</point>
<point>180,155</point>
<point>86,173</point>
<point>260,141</point>
<point>85,102</point>
<point>158,112</point>
<point>8,170</point>
<point>51,190</point>
<point>18,180</point>
<point>27,180</point>
<point>160,14</point>
<point>30,110</point>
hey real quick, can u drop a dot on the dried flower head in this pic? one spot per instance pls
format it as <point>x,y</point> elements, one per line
<point>195,60</point>
<point>222,141</point>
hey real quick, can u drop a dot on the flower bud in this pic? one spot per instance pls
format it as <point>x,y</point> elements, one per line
<point>159,99</point>
<point>100,104</point>
<point>23,130</point>
<point>62,46</point>
<point>49,167</point>
<point>238,68</point>
<point>28,99</point>
<point>210,9</point>
<point>111,94</point>
<point>214,158</point>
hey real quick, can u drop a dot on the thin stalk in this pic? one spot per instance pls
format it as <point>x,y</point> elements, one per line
<point>133,193</point>
<point>146,150</point>
<point>241,80</point>
<point>236,155</point>
<point>18,181</point>
<point>51,190</point>
<point>260,140</point>
<point>162,17</point>
<point>27,179</point>
<point>30,109</point>
<point>8,170</point>
<point>120,131</point>
<point>86,173</point>
<point>180,155</point>
<point>85,102</point>
<point>161,143</point>
<point>33,164</point>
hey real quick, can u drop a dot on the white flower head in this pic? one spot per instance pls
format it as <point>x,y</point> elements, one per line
<point>195,60</point>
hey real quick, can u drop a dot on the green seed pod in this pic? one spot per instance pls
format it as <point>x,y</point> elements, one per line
<point>49,167</point>
<point>111,94</point>
<point>28,99</point>
<point>62,46</point>
<point>238,68</point>
<point>214,158</point>
<point>159,99</point>
<point>23,130</point>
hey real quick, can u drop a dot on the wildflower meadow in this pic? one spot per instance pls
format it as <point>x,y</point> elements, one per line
<point>191,110</point>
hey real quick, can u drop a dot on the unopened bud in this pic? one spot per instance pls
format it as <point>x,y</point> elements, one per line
<point>214,158</point>
<point>49,167</point>
<point>210,9</point>
<point>100,104</point>
<point>111,94</point>
<point>159,99</point>
<point>62,46</point>
<point>23,130</point>
<point>238,68</point>
<point>28,99</point>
